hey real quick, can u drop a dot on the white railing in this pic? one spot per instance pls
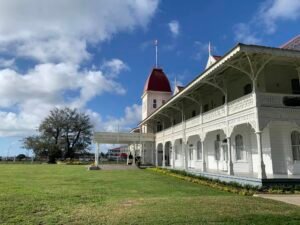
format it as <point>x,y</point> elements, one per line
<point>168,131</point>
<point>193,122</point>
<point>178,127</point>
<point>214,114</point>
<point>241,104</point>
<point>274,100</point>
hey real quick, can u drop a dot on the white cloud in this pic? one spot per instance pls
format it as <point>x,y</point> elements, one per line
<point>59,30</point>
<point>276,10</point>
<point>113,67</point>
<point>7,62</point>
<point>56,35</point>
<point>265,19</point>
<point>132,116</point>
<point>244,34</point>
<point>174,27</point>
<point>34,93</point>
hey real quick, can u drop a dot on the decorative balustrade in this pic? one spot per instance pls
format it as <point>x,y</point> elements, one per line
<point>178,127</point>
<point>278,100</point>
<point>168,131</point>
<point>192,122</point>
<point>241,104</point>
<point>214,114</point>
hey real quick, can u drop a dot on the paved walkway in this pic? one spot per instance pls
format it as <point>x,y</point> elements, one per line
<point>290,199</point>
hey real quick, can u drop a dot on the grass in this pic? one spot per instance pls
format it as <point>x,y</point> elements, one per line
<point>61,194</point>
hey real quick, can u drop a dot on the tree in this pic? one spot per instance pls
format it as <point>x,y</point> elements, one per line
<point>21,157</point>
<point>64,133</point>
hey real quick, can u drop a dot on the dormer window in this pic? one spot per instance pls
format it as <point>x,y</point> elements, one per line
<point>154,104</point>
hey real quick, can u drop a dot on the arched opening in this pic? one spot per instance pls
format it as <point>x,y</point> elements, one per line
<point>159,154</point>
<point>168,149</point>
<point>239,148</point>
<point>192,156</point>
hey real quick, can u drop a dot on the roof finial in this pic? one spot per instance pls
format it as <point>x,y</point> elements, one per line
<point>209,49</point>
<point>156,50</point>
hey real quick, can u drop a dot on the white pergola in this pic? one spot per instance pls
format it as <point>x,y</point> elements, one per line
<point>120,138</point>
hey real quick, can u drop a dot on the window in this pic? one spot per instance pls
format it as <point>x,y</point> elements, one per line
<point>223,99</point>
<point>154,104</point>
<point>247,89</point>
<point>217,148</point>
<point>159,127</point>
<point>239,147</point>
<point>199,151</point>
<point>193,113</point>
<point>296,145</point>
<point>295,86</point>
<point>163,102</point>
<point>191,152</point>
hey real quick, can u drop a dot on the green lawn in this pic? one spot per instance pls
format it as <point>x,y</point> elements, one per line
<point>60,194</point>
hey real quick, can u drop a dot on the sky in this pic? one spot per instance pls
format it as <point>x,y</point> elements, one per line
<point>96,55</point>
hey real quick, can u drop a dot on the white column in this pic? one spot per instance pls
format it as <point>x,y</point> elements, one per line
<point>143,153</point>
<point>173,154</point>
<point>184,154</point>
<point>164,156</point>
<point>230,164</point>
<point>261,167</point>
<point>97,155</point>
<point>156,156</point>
<point>133,155</point>
<point>203,156</point>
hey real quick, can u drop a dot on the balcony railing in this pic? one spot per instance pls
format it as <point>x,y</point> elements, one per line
<point>214,114</point>
<point>241,104</point>
<point>279,100</point>
<point>193,121</point>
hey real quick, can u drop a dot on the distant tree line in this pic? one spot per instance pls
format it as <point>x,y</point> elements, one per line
<point>63,134</point>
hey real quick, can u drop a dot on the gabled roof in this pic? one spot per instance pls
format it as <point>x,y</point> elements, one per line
<point>294,44</point>
<point>157,81</point>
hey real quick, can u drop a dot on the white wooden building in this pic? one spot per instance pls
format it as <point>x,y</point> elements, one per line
<point>239,120</point>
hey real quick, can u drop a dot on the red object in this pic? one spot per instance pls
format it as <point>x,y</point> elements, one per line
<point>293,44</point>
<point>123,155</point>
<point>157,81</point>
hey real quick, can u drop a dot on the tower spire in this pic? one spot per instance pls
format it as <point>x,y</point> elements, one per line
<point>156,51</point>
<point>209,49</point>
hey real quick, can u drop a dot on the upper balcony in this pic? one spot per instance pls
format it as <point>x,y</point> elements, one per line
<point>237,106</point>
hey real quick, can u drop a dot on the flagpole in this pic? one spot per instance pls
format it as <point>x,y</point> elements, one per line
<point>156,55</point>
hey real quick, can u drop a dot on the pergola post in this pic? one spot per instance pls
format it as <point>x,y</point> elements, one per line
<point>97,155</point>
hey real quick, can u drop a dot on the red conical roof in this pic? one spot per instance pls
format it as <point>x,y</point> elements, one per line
<point>157,81</point>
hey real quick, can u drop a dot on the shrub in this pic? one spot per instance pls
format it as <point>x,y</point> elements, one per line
<point>232,187</point>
